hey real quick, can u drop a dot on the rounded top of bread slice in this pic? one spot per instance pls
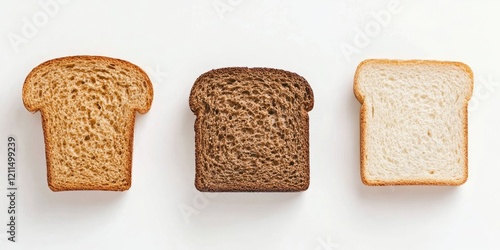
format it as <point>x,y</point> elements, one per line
<point>375,67</point>
<point>38,89</point>
<point>269,75</point>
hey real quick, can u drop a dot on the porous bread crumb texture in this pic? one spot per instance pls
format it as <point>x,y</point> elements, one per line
<point>88,107</point>
<point>252,130</point>
<point>413,121</point>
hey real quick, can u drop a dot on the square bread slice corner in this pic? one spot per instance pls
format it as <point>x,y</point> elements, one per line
<point>413,121</point>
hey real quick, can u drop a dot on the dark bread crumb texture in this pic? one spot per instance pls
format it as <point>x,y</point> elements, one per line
<point>252,130</point>
<point>88,106</point>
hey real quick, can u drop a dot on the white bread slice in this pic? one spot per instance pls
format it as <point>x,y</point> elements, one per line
<point>88,106</point>
<point>413,121</point>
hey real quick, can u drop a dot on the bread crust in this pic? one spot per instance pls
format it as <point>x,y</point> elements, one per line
<point>48,150</point>
<point>360,97</point>
<point>238,187</point>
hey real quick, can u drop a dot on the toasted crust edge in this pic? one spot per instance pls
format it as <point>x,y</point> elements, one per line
<point>235,188</point>
<point>97,187</point>
<point>360,97</point>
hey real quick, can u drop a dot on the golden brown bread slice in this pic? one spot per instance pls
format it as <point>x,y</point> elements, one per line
<point>88,106</point>
<point>252,130</point>
<point>413,121</point>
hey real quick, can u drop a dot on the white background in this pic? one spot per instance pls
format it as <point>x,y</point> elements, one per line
<point>176,41</point>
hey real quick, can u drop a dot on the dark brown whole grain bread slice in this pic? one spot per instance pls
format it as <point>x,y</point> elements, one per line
<point>252,130</point>
<point>88,106</point>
